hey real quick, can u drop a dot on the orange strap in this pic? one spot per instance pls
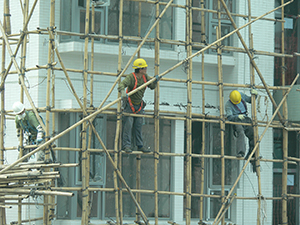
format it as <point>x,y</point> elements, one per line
<point>129,99</point>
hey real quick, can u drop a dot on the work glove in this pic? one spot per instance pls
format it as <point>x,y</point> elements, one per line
<point>241,117</point>
<point>157,79</point>
<point>40,133</point>
<point>253,91</point>
<point>124,95</point>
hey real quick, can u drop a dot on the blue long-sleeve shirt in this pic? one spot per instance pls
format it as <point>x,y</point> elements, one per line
<point>232,110</point>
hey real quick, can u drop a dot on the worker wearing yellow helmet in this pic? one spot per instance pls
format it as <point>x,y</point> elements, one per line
<point>135,104</point>
<point>236,110</point>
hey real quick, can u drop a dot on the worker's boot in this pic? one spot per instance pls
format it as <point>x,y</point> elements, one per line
<point>143,149</point>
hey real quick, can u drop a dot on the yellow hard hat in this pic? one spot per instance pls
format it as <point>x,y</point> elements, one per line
<point>235,97</point>
<point>139,63</point>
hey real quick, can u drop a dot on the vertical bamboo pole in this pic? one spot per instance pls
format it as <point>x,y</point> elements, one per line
<point>22,70</point>
<point>138,157</point>
<point>254,117</point>
<point>2,118</point>
<point>284,132</point>
<point>156,117</point>
<point>221,102</point>
<point>203,40</point>
<point>189,28</point>
<point>139,27</point>
<point>118,192</point>
<point>92,56</point>
<point>85,153</point>
<point>46,218</point>
<point>6,18</point>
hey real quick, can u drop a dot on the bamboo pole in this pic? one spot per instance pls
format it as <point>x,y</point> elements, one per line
<point>254,119</point>
<point>2,118</point>
<point>222,114</point>
<point>85,154</point>
<point>202,165</point>
<point>156,117</point>
<point>255,147</point>
<point>284,131</point>
<point>189,71</point>
<point>46,219</point>
<point>117,145</point>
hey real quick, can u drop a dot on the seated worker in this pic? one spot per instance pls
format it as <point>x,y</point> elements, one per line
<point>236,110</point>
<point>134,104</point>
<point>32,130</point>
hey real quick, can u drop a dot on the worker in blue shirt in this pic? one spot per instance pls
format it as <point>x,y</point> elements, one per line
<point>236,110</point>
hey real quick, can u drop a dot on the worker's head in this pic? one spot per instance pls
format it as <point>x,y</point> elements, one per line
<point>235,97</point>
<point>140,65</point>
<point>19,109</point>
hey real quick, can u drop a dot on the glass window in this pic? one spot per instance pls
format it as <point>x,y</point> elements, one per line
<point>210,22</point>
<point>212,176</point>
<point>107,20</point>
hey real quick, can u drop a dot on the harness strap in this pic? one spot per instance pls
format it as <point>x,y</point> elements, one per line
<point>129,99</point>
<point>245,105</point>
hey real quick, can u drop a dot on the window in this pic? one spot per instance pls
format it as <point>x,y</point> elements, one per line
<point>71,208</point>
<point>212,180</point>
<point>73,18</point>
<point>101,172</point>
<point>107,20</point>
<point>210,22</point>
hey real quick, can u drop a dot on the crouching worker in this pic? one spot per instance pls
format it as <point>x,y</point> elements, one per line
<point>236,110</point>
<point>33,133</point>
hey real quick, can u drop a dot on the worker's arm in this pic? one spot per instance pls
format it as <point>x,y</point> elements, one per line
<point>153,84</point>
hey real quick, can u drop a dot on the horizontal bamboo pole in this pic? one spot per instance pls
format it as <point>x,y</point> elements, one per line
<point>35,192</point>
<point>14,197</point>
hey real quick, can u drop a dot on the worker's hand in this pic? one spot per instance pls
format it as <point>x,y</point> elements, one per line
<point>123,95</point>
<point>253,91</point>
<point>40,133</point>
<point>241,117</point>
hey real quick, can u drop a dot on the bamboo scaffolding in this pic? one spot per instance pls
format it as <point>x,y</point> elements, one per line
<point>156,114</point>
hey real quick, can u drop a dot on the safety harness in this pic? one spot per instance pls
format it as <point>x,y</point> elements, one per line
<point>129,99</point>
<point>245,105</point>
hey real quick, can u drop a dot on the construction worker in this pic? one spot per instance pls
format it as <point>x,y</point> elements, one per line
<point>236,110</point>
<point>32,130</point>
<point>134,104</point>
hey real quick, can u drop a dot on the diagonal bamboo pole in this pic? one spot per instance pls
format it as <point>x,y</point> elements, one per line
<point>251,57</point>
<point>255,148</point>
<point>20,41</point>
